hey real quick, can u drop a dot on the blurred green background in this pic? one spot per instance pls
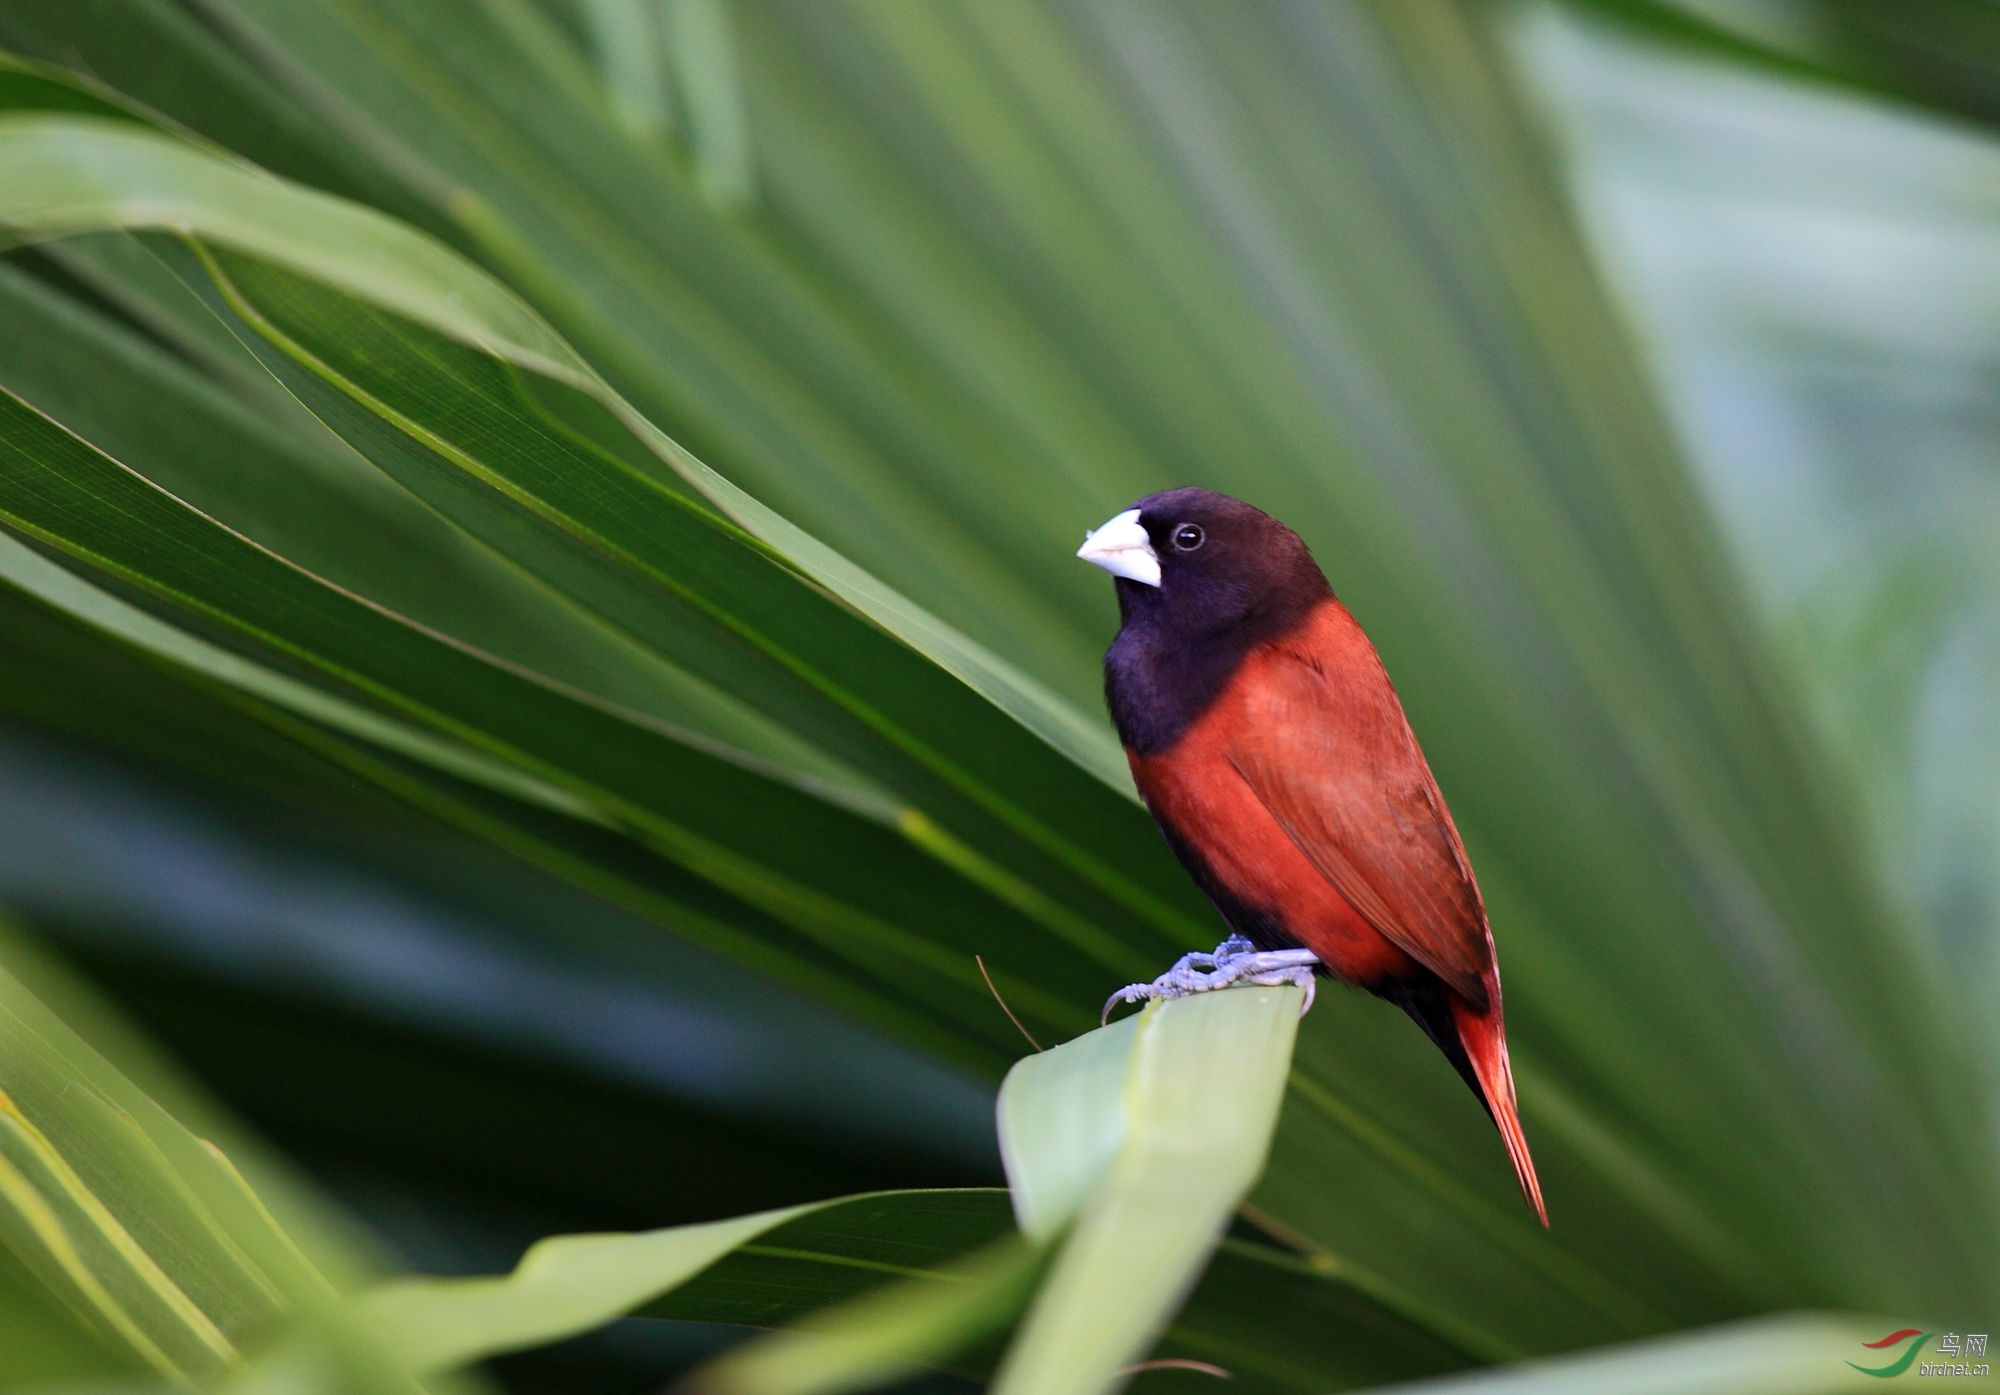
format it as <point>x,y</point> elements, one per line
<point>524,831</point>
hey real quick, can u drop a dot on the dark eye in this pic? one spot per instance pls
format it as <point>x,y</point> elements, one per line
<point>1188,537</point>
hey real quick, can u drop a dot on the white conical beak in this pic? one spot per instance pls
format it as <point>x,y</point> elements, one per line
<point>1122,548</point>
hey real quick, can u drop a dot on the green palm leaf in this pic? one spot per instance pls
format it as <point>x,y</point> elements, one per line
<point>653,442</point>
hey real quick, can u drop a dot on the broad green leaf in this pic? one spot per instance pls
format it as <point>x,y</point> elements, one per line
<point>1790,1354</point>
<point>572,1284</point>
<point>894,1332</point>
<point>157,1249</point>
<point>865,1286</point>
<point>875,1286</point>
<point>1141,1139</point>
<point>1063,1124</point>
<point>93,165</point>
<point>1000,808</point>
<point>23,568</point>
<point>778,1096</point>
<point>73,177</point>
<point>316,503</point>
<point>1198,1091</point>
<point>1258,1314</point>
<point>158,62</point>
<point>633,772</point>
<point>683,583</point>
<point>726,333</point>
<point>135,1224</point>
<point>320,737</point>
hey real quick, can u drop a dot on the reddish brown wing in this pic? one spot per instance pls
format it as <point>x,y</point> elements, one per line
<point>1334,761</point>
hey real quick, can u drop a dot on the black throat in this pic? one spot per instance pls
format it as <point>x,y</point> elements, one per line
<point>1160,675</point>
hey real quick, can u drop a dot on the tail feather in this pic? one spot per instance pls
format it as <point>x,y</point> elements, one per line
<point>1484,1043</point>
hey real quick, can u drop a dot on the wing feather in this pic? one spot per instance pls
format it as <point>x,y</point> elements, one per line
<point>1340,771</point>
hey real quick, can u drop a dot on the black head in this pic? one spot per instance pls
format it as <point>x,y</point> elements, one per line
<point>1202,580</point>
<point>1198,563</point>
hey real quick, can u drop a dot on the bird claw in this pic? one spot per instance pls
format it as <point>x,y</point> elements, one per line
<point>1234,963</point>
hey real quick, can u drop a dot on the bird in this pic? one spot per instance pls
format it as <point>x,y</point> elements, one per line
<point>1269,745</point>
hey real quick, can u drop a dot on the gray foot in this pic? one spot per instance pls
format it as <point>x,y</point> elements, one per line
<point>1235,961</point>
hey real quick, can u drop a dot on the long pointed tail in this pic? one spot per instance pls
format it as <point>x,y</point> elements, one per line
<point>1485,1043</point>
